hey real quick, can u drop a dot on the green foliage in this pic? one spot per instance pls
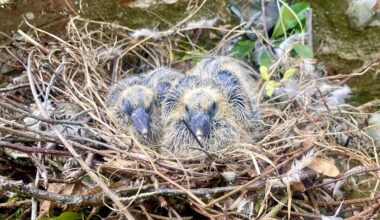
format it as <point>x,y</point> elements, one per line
<point>265,58</point>
<point>13,199</point>
<point>66,216</point>
<point>288,74</point>
<point>198,55</point>
<point>270,85</point>
<point>290,18</point>
<point>195,56</point>
<point>264,73</point>
<point>303,50</point>
<point>243,48</point>
<point>18,213</point>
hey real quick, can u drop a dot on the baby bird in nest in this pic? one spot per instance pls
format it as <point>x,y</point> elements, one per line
<point>203,106</point>
<point>216,102</point>
<point>135,104</point>
<point>237,81</point>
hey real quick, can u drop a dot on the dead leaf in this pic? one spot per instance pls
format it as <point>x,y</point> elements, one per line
<point>297,187</point>
<point>47,207</point>
<point>117,164</point>
<point>323,166</point>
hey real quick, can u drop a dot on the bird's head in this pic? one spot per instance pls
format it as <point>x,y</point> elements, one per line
<point>136,106</point>
<point>201,106</point>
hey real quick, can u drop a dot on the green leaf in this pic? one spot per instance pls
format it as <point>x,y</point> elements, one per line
<point>13,199</point>
<point>287,20</point>
<point>270,86</point>
<point>243,48</point>
<point>196,55</point>
<point>303,50</point>
<point>66,216</point>
<point>288,74</point>
<point>264,73</point>
<point>69,216</point>
<point>265,58</point>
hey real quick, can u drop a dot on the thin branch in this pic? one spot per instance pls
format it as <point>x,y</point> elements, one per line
<point>21,203</point>
<point>26,149</point>
<point>47,120</point>
<point>249,183</point>
<point>13,88</point>
<point>70,147</point>
<point>24,190</point>
<point>56,72</point>
<point>32,41</point>
<point>146,192</point>
<point>344,177</point>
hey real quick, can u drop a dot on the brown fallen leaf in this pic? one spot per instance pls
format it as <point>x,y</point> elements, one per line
<point>46,207</point>
<point>325,167</point>
<point>116,164</point>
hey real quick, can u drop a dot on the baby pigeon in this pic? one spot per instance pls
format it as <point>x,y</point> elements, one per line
<point>135,104</point>
<point>236,79</point>
<point>205,105</point>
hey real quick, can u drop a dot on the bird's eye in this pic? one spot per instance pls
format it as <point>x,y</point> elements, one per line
<point>127,107</point>
<point>187,108</point>
<point>213,106</point>
<point>212,109</point>
<point>149,109</point>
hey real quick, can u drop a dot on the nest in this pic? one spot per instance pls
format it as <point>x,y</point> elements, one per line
<point>308,157</point>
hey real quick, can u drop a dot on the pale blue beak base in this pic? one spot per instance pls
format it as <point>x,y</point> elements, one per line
<point>141,121</point>
<point>200,124</point>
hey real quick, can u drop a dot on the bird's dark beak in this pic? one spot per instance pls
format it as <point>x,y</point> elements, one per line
<point>141,121</point>
<point>201,124</point>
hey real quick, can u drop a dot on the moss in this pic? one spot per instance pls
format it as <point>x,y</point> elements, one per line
<point>162,15</point>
